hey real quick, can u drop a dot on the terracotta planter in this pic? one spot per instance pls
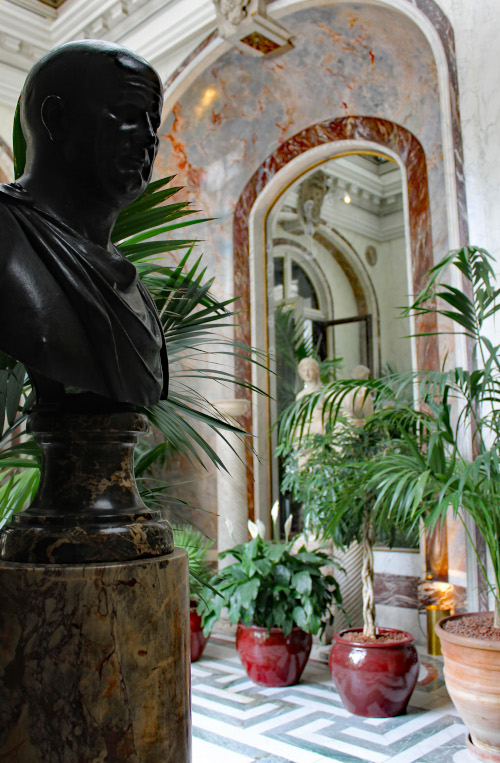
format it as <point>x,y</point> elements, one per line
<point>274,659</point>
<point>198,640</point>
<point>472,676</point>
<point>374,680</point>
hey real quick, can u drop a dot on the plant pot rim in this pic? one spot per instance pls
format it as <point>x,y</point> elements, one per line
<point>374,644</point>
<point>273,629</point>
<point>468,641</point>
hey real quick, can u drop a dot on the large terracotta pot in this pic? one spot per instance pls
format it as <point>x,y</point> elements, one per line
<point>274,659</point>
<point>198,640</point>
<point>374,680</point>
<point>472,676</point>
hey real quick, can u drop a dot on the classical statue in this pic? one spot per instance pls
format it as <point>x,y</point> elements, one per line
<point>358,403</point>
<point>308,370</point>
<point>72,308</point>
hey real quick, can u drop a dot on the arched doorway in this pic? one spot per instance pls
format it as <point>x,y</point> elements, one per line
<point>297,156</point>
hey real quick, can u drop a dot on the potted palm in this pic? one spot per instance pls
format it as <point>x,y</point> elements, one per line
<point>197,546</point>
<point>278,597</point>
<point>375,669</point>
<point>459,467</point>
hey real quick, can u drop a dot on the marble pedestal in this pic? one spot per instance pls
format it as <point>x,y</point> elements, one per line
<point>94,662</point>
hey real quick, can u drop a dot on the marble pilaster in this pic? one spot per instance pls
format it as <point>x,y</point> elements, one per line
<point>232,503</point>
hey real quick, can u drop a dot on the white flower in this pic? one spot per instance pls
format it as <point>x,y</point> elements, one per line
<point>288,526</point>
<point>253,529</point>
<point>275,511</point>
<point>261,528</point>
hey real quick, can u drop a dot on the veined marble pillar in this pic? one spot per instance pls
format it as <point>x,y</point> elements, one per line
<point>94,662</point>
<point>232,500</point>
<point>94,603</point>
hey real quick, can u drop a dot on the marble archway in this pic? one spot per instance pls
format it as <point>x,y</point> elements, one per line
<point>389,137</point>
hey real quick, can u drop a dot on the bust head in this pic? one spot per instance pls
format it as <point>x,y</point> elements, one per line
<point>360,372</point>
<point>93,109</point>
<point>308,369</point>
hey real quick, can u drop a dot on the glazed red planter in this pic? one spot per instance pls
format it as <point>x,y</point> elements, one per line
<point>374,680</point>
<point>198,640</point>
<point>274,659</point>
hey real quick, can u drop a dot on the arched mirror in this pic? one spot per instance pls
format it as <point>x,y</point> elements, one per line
<point>337,276</point>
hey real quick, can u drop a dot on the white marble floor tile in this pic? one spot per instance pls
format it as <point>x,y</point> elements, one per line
<point>205,752</point>
<point>236,721</point>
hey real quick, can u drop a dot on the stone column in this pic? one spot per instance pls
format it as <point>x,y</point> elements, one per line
<point>94,603</point>
<point>94,662</point>
<point>232,500</point>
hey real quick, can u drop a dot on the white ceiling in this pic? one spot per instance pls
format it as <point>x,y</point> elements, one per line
<point>163,31</point>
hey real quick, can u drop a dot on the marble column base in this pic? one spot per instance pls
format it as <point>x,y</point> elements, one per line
<point>94,662</point>
<point>87,508</point>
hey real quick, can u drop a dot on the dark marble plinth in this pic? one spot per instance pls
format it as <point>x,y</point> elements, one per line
<point>87,508</point>
<point>94,662</point>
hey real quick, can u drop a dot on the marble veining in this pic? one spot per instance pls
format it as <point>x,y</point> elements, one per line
<point>396,590</point>
<point>94,662</point>
<point>87,507</point>
<point>358,69</point>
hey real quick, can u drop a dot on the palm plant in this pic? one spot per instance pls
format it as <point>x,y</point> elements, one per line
<point>197,545</point>
<point>328,473</point>
<point>450,453</point>
<point>192,320</point>
<point>458,465</point>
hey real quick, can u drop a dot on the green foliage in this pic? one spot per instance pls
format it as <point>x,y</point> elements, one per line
<point>329,474</point>
<point>459,408</point>
<point>271,585</point>
<point>197,546</point>
<point>292,346</point>
<point>446,452</point>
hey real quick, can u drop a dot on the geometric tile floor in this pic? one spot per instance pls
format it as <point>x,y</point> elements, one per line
<point>236,721</point>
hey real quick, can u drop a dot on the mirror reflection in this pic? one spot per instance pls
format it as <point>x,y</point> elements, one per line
<point>337,273</point>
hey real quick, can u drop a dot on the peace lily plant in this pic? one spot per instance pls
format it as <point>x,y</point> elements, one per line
<point>270,584</point>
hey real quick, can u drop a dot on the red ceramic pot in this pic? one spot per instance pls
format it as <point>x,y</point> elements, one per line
<point>274,659</point>
<point>374,680</point>
<point>198,640</point>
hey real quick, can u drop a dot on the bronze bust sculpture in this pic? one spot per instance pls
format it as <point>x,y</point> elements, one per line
<point>72,308</point>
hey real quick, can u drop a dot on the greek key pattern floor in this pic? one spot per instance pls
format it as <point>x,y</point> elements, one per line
<point>236,721</point>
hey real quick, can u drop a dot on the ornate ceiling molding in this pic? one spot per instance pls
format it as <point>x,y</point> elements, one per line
<point>163,31</point>
<point>246,25</point>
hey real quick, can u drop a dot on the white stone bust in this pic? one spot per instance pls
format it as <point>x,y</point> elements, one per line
<point>358,403</point>
<point>308,370</point>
